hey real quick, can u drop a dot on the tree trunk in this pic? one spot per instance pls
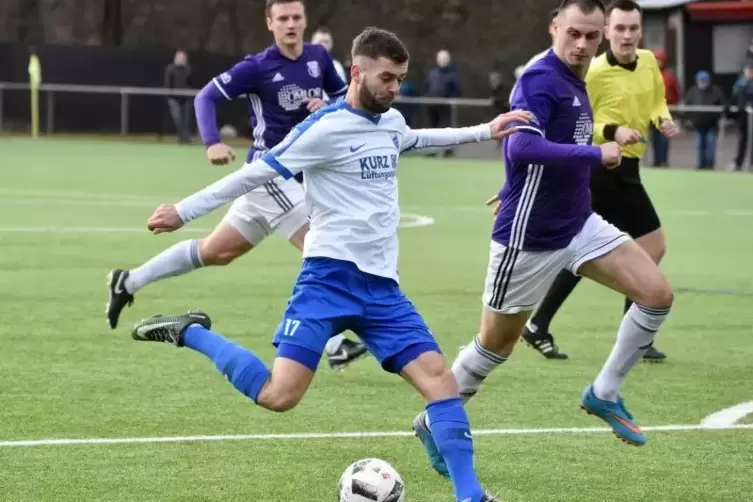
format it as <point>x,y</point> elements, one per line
<point>80,28</point>
<point>112,23</point>
<point>231,7</point>
<point>210,10</point>
<point>30,22</point>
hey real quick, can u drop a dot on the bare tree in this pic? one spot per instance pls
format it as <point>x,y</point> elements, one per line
<point>321,13</point>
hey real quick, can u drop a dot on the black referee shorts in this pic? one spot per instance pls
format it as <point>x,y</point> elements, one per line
<point>623,202</point>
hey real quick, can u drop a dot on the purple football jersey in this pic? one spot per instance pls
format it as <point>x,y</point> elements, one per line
<point>544,206</point>
<point>276,88</point>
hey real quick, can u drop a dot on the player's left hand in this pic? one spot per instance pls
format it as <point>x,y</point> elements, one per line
<point>313,104</point>
<point>164,219</point>
<point>669,128</point>
<point>494,201</point>
<point>498,126</point>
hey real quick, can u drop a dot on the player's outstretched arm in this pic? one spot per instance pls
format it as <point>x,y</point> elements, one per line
<point>167,217</point>
<point>417,139</point>
<point>304,148</point>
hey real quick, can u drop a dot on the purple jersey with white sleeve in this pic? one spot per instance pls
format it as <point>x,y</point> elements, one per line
<point>546,197</point>
<point>276,88</point>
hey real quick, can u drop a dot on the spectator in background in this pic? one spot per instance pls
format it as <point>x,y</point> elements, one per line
<point>706,124</point>
<point>742,97</point>
<point>500,95</point>
<point>323,37</point>
<point>408,110</point>
<point>659,142</point>
<point>178,76</point>
<point>442,82</point>
<point>748,57</point>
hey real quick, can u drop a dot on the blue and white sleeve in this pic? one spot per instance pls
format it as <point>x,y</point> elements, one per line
<point>225,190</point>
<point>305,147</point>
<point>421,139</point>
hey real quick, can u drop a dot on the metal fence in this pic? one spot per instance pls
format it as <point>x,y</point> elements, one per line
<point>457,106</point>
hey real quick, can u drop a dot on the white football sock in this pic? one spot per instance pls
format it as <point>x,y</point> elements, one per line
<point>636,334</point>
<point>473,365</point>
<point>179,259</point>
<point>333,344</point>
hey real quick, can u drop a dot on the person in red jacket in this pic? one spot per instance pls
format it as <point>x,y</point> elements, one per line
<point>659,143</point>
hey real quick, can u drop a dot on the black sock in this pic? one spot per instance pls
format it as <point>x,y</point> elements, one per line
<point>563,285</point>
<point>628,303</point>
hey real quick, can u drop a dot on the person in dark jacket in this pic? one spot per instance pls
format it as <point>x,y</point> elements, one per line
<point>706,125</point>
<point>660,143</point>
<point>500,94</point>
<point>178,76</point>
<point>742,97</point>
<point>442,82</point>
<point>407,109</point>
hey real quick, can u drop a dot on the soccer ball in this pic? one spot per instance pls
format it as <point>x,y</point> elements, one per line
<point>228,131</point>
<point>371,480</point>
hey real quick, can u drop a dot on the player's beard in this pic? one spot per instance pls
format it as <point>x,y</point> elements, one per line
<point>369,101</point>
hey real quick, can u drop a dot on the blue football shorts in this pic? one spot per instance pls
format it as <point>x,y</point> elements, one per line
<point>331,296</point>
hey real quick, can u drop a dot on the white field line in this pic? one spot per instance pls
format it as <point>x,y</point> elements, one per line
<point>93,230</point>
<point>116,200</point>
<point>80,202</point>
<point>71,193</point>
<point>407,220</point>
<point>351,435</point>
<point>728,416</point>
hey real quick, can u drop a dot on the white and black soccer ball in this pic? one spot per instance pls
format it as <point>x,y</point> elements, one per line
<point>371,480</point>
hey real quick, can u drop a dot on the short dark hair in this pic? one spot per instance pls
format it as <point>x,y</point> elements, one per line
<point>271,3</point>
<point>553,13</point>
<point>375,43</point>
<point>626,5</point>
<point>585,6</point>
<point>323,30</point>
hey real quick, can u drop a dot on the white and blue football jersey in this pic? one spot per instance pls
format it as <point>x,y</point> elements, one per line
<point>350,159</point>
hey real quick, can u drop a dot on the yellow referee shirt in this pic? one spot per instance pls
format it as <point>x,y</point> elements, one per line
<point>630,95</point>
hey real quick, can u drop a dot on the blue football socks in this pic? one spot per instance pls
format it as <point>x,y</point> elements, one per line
<point>451,431</point>
<point>240,366</point>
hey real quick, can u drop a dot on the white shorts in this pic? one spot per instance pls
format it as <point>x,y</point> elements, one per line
<point>277,206</point>
<point>516,281</point>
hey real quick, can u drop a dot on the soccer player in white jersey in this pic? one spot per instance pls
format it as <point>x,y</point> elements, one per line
<point>349,155</point>
<point>546,223</point>
<point>281,85</point>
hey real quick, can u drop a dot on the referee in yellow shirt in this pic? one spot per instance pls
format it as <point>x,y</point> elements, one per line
<point>626,91</point>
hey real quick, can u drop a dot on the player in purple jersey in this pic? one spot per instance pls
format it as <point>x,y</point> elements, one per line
<point>546,224</point>
<point>282,84</point>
